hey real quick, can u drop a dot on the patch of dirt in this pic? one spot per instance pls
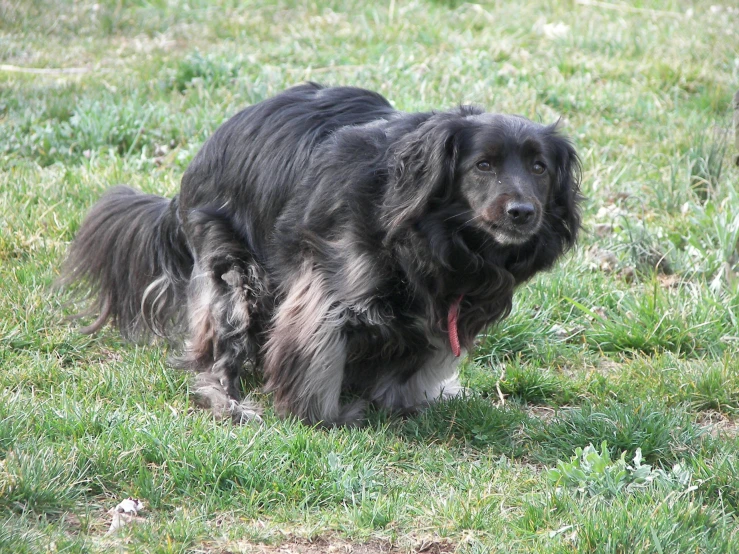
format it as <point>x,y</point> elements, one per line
<point>608,367</point>
<point>602,259</point>
<point>108,355</point>
<point>603,366</point>
<point>338,546</point>
<point>671,281</point>
<point>718,424</point>
<point>544,413</point>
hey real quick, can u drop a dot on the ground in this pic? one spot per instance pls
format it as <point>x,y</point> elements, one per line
<point>632,340</point>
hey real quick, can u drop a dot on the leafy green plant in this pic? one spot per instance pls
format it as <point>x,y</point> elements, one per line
<point>594,473</point>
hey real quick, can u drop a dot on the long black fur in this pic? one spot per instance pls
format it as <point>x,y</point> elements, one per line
<point>320,238</point>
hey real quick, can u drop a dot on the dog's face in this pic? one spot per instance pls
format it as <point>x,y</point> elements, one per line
<point>506,172</point>
<point>514,176</point>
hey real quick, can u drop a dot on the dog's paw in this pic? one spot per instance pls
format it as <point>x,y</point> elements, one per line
<point>452,389</point>
<point>353,414</point>
<point>246,411</point>
<point>209,393</point>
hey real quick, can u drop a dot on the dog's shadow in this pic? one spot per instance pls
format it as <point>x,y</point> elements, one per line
<point>472,421</point>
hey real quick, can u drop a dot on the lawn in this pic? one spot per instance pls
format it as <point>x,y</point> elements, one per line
<point>601,417</point>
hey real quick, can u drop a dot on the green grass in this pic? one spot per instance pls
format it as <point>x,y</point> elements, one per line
<point>640,352</point>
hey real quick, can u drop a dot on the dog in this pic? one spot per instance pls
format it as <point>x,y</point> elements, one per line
<point>346,252</point>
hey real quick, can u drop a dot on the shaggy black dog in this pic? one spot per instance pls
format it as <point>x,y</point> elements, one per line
<point>335,245</point>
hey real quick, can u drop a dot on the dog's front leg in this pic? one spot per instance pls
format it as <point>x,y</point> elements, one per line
<point>436,379</point>
<point>306,354</point>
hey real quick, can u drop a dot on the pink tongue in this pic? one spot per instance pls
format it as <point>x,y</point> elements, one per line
<point>451,323</point>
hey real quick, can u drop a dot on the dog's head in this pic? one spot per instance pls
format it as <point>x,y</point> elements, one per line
<point>511,178</point>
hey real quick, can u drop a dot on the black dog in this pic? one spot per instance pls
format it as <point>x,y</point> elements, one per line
<point>335,245</point>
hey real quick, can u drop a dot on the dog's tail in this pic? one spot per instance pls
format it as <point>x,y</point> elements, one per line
<point>131,258</point>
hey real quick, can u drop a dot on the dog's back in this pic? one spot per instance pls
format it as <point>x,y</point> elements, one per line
<point>246,163</point>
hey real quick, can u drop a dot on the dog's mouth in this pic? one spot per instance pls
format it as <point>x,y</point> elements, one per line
<point>509,235</point>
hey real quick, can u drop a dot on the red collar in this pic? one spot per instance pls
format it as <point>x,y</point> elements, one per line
<point>451,324</point>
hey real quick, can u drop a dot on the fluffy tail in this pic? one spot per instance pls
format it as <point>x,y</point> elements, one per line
<point>131,258</point>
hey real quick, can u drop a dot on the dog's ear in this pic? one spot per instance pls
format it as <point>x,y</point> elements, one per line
<point>564,208</point>
<point>422,167</point>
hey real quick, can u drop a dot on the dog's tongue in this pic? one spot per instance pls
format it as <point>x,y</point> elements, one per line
<point>451,324</point>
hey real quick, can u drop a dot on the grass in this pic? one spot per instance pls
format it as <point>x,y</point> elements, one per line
<point>632,339</point>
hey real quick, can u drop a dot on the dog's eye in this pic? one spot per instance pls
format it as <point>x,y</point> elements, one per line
<point>484,166</point>
<point>538,168</point>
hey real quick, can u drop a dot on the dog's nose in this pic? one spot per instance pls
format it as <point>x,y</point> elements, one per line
<point>520,212</point>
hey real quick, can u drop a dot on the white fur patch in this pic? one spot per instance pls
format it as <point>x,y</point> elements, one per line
<point>436,379</point>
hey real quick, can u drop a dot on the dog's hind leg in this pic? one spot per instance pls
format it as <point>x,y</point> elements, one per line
<point>226,288</point>
<point>219,344</point>
<point>305,354</point>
